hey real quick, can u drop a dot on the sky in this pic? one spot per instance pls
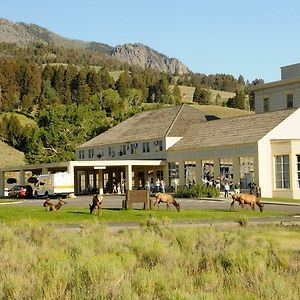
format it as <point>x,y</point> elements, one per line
<point>249,38</point>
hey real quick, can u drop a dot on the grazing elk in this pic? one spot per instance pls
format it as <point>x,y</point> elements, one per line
<point>96,203</point>
<point>252,200</point>
<point>53,206</point>
<point>166,198</point>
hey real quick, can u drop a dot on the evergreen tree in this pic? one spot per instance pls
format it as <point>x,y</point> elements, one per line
<point>123,83</point>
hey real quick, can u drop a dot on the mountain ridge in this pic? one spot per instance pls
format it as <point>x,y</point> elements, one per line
<point>23,34</point>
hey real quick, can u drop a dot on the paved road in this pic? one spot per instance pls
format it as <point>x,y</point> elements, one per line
<point>114,201</point>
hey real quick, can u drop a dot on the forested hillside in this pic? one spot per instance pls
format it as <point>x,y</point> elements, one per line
<point>70,95</point>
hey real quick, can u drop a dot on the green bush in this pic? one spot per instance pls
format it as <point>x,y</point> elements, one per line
<point>197,191</point>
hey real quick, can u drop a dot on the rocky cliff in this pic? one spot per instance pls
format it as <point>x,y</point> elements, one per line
<point>138,54</point>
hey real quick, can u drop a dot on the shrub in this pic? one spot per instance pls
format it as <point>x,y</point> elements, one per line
<point>197,191</point>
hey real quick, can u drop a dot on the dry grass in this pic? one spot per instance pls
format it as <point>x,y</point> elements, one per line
<point>10,156</point>
<point>155,262</point>
<point>222,112</point>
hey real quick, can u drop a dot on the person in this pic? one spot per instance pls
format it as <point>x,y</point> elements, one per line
<point>251,185</point>
<point>162,186</point>
<point>119,188</point>
<point>237,188</point>
<point>122,187</point>
<point>175,184</point>
<point>226,190</point>
<point>147,186</point>
<point>218,184</point>
<point>157,184</point>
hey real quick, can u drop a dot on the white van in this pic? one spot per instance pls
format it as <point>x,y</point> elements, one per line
<point>57,184</point>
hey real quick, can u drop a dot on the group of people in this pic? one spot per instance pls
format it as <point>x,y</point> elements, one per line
<point>117,188</point>
<point>159,186</point>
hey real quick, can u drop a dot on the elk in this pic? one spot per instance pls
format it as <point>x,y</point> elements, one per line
<point>53,206</point>
<point>96,203</point>
<point>166,198</point>
<point>252,200</point>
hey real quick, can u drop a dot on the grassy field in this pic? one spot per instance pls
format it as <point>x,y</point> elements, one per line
<point>222,112</point>
<point>79,215</point>
<point>156,262</point>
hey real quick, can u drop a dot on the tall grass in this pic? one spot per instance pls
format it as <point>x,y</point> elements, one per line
<point>156,262</point>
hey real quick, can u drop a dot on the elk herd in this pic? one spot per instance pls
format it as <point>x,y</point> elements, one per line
<point>168,199</point>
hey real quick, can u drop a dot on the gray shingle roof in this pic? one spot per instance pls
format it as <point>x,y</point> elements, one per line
<point>152,124</point>
<point>231,131</point>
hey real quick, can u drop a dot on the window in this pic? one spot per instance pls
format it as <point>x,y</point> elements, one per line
<point>207,170</point>
<point>266,103</point>
<point>91,153</point>
<point>246,171</point>
<point>160,146</point>
<point>160,174</point>
<point>111,151</point>
<point>226,169</point>
<point>298,171</point>
<point>146,147</point>
<point>190,172</point>
<point>133,148</point>
<point>282,172</point>
<point>81,154</point>
<point>289,101</point>
<point>174,174</point>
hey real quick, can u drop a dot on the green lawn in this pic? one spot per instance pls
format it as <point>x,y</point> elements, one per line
<point>280,200</point>
<point>78,215</point>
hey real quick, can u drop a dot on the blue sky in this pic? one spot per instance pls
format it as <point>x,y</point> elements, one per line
<point>251,38</point>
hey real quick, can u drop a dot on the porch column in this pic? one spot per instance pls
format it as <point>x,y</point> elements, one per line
<point>2,184</point>
<point>128,170</point>
<point>22,177</point>
<point>166,174</point>
<point>198,171</point>
<point>181,173</point>
<point>70,168</point>
<point>236,170</point>
<point>216,168</point>
<point>100,181</point>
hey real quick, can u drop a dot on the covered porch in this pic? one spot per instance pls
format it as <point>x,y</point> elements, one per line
<point>109,176</point>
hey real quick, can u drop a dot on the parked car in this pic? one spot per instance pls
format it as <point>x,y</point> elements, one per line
<point>20,191</point>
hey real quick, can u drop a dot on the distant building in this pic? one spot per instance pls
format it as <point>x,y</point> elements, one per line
<point>281,94</point>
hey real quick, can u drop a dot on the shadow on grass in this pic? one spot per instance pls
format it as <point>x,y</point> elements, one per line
<point>225,210</point>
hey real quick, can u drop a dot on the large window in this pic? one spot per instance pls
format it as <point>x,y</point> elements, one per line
<point>289,101</point>
<point>282,171</point>
<point>298,171</point>
<point>174,174</point>
<point>226,169</point>
<point>207,170</point>
<point>246,171</point>
<point>266,103</point>
<point>190,173</point>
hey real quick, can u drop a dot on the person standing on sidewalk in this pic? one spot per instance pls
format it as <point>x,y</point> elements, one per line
<point>226,190</point>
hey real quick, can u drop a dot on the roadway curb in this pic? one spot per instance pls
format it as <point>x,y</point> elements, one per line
<point>15,202</point>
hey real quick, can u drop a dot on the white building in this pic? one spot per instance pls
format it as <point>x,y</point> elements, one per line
<point>179,144</point>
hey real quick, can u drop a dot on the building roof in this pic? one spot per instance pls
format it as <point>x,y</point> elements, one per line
<point>153,124</point>
<point>274,84</point>
<point>232,131</point>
